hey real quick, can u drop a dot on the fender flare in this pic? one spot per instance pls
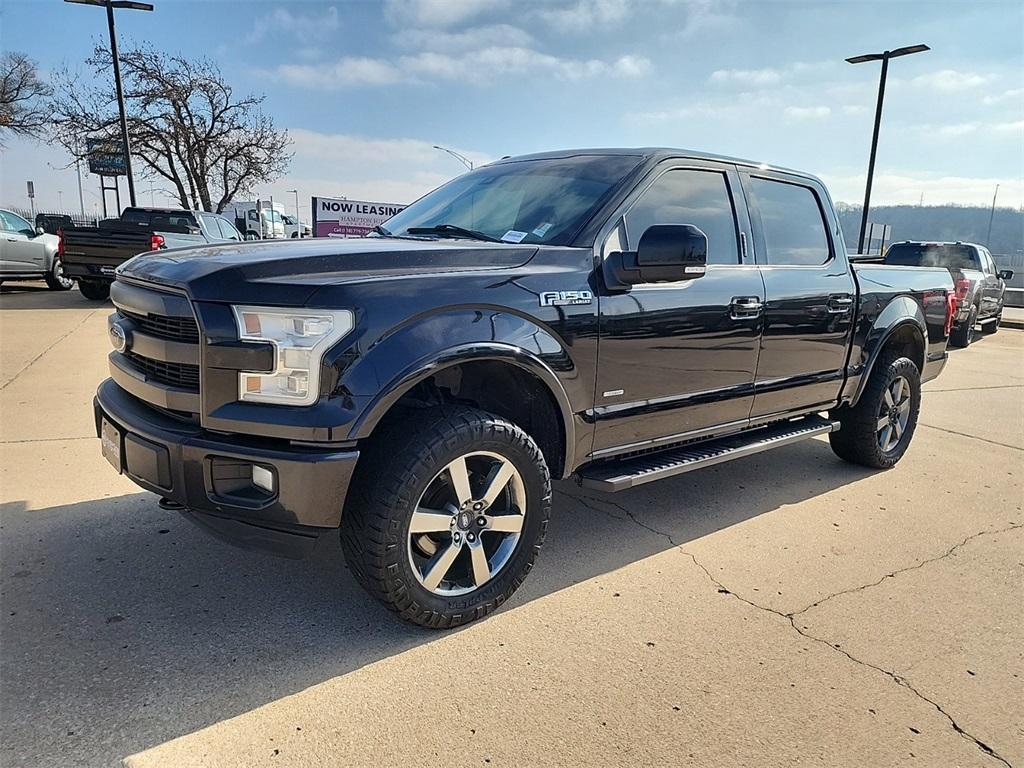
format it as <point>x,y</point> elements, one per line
<point>463,353</point>
<point>879,337</point>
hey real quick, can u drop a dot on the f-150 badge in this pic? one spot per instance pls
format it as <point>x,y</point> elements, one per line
<point>563,298</point>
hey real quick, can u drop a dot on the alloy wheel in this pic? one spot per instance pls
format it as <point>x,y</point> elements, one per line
<point>893,414</point>
<point>467,523</point>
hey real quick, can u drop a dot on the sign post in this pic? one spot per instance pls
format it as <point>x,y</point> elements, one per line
<point>31,197</point>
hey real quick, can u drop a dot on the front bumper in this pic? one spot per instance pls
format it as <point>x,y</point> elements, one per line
<point>209,475</point>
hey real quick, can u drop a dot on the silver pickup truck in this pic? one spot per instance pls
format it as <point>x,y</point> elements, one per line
<point>91,254</point>
<point>980,287</point>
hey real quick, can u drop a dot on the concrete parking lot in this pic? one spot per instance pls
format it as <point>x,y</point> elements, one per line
<point>785,609</point>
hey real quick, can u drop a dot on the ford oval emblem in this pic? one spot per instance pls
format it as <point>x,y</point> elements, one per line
<point>118,338</point>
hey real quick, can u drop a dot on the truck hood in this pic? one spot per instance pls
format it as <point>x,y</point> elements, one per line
<point>295,269</point>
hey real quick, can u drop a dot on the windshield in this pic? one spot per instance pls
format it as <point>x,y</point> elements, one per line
<point>950,256</point>
<point>272,215</point>
<point>531,201</point>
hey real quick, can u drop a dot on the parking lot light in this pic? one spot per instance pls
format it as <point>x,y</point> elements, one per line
<point>110,5</point>
<point>884,57</point>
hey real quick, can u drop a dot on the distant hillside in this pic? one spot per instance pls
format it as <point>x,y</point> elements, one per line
<point>940,222</point>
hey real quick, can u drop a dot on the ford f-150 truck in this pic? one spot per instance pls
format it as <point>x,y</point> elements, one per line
<point>90,254</point>
<point>980,287</point>
<point>617,316</point>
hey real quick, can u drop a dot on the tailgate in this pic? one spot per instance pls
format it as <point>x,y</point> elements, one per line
<point>99,252</point>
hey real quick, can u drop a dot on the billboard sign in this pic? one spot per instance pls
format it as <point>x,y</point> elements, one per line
<point>106,156</point>
<point>337,217</point>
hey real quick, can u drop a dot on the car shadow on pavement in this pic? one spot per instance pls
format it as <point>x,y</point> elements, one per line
<point>37,296</point>
<point>124,626</point>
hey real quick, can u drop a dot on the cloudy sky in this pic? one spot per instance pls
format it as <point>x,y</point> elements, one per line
<point>366,88</point>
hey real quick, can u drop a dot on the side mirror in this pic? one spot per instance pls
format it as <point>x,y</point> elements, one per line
<point>40,231</point>
<point>1005,274</point>
<point>666,253</point>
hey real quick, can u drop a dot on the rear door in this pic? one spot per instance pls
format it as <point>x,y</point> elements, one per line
<point>677,359</point>
<point>810,294</point>
<point>991,288</point>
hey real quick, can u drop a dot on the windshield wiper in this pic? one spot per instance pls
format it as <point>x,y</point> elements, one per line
<point>452,229</point>
<point>381,231</point>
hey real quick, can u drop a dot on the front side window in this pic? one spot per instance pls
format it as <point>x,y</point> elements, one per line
<point>545,201</point>
<point>227,231</point>
<point>684,196</point>
<point>14,223</point>
<point>794,231</point>
<point>210,222</point>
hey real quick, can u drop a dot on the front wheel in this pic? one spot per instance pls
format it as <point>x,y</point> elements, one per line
<point>877,431</point>
<point>56,280</point>
<point>94,290</point>
<point>447,515</point>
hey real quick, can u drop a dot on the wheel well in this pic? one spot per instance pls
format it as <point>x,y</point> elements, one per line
<point>499,388</point>
<point>906,341</point>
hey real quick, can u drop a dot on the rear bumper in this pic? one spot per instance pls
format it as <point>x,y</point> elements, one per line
<point>210,476</point>
<point>89,271</point>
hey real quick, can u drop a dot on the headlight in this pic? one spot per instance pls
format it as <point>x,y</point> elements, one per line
<point>300,339</point>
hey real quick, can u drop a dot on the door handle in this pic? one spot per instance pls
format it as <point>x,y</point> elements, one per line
<point>840,304</point>
<point>745,307</point>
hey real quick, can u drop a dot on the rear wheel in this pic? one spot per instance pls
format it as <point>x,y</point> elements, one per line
<point>447,515</point>
<point>963,334</point>
<point>56,280</point>
<point>94,290</point>
<point>877,431</point>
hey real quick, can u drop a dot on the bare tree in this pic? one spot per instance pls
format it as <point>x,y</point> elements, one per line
<point>184,122</point>
<point>22,96</point>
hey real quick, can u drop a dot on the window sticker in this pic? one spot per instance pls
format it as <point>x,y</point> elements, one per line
<point>514,236</point>
<point>543,229</point>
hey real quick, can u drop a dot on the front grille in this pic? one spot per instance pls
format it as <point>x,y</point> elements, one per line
<point>183,329</point>
<point>179,375</point>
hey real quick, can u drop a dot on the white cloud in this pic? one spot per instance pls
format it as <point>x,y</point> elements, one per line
<point>747,77</point>
<point>581,15</point>
<point>464,40</point>
<point>855,109</point>
<point>1016,94</point>
<point>807,113</point>
<point>302,27</point>
<point>907,188</point>
<point>364,168</point>
<point>950,80</point>
<point>1014,127</point>
<point>437,13</point>
<point>954,131</point>
<point>477,66</point>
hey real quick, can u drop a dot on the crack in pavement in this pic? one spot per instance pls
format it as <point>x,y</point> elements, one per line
<point>973,437</point>
<point>973,389</point>
<point>790,617</point>
<point>46,439</point>
<point>36,359</point>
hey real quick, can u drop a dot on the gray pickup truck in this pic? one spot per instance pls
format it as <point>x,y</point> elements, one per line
<point>91,254</point>
<point>980,287</point>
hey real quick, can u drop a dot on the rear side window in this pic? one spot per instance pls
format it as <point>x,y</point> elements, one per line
<point>947,255</point>
<point>794,231</point>
<point>227,231</point>
<point>684,196</point>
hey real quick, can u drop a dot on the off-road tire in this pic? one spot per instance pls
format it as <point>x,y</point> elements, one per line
<point>94,290</point>
<point>857,440</point>
<point>963,334</point>
<point>56,280</point>
<point>393,473</point>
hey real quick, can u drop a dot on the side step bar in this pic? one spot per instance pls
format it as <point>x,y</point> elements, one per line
<point>648,467</point>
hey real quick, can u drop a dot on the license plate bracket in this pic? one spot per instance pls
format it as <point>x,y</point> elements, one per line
<point>110,443</point>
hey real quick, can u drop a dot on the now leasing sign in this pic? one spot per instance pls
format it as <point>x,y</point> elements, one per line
<point>334,217</point>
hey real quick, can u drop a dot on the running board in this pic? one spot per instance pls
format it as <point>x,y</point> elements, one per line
<point>648,467</point>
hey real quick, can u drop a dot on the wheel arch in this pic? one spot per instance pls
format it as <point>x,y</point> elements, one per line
<point>458,370</point>
<point>901,325</point>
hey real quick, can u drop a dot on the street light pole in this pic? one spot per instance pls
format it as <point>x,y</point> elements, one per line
<point>298,219</point>
<point>884,58</point>
<point>110,5</point>
<point>991,215</point>
<point>461,158</point>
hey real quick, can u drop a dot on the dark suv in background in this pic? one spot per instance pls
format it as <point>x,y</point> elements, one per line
<point>980,287</point>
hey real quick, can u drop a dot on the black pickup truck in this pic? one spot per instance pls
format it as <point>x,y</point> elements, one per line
<point>91,254</point>
<point>616,316</point>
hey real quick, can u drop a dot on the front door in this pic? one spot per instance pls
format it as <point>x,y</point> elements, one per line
<point>20,251</point>
<point>810,295</point>
<point>678,359</point>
